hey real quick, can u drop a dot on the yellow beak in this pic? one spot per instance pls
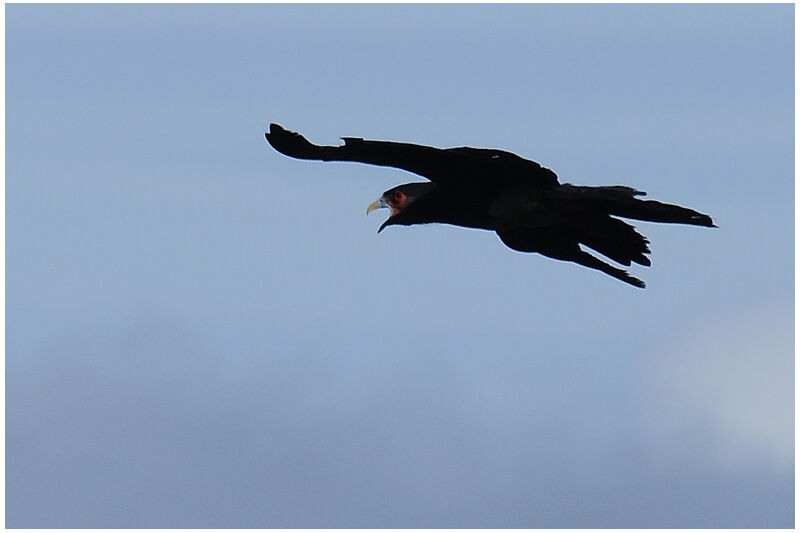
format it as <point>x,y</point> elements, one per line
<point>377,204</point>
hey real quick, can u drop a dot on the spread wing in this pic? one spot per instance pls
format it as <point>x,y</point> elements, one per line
<point>558,243</point>
<point>449,166</point>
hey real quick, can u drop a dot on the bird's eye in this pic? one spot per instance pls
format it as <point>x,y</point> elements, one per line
<point>397,196</point>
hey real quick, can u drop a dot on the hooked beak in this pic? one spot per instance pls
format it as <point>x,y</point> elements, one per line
<point>377,204</point>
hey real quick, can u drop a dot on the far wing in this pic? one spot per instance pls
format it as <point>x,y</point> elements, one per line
<point>557,243</point>
<point>452,166</point>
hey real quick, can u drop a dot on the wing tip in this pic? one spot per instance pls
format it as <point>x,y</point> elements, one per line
<point>291,143</point>
<point>636,282</point>
<point>274,129</point>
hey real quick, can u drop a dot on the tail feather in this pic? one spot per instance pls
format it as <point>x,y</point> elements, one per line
<point>653,211</point>
<point>621,201</point>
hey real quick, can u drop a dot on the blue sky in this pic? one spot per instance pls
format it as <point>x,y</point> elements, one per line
<point>204,333</point>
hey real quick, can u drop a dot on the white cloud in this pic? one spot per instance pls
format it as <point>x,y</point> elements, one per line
<point>723,392</point>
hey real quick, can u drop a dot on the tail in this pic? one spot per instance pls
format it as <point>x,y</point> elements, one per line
<point>621,201</point>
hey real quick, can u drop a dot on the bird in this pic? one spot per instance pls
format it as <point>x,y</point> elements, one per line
<point>520,200</point>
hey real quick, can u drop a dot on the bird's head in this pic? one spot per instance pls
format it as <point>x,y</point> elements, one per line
<point>398,199</point>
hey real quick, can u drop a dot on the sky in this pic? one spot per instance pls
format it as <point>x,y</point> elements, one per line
<point>201,332</point>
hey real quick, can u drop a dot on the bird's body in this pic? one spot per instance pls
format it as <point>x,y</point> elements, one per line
<point>495,190</point>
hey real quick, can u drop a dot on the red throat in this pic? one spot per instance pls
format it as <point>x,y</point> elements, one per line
<point>397,201</point>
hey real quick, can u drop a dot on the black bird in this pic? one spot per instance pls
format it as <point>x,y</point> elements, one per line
<point>520,200</point>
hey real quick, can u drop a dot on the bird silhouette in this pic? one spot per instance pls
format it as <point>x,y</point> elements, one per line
<point>520,200</point>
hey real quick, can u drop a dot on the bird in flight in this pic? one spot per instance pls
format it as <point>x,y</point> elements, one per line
<point>517,198</point>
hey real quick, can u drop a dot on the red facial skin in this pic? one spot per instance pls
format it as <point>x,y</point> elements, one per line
<point>396,201</point>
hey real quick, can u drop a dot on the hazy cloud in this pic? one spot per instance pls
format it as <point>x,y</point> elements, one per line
<point>726,386</point>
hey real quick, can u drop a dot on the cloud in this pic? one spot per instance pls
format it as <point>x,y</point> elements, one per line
<point>153,424</point>
<point>723,391</point>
